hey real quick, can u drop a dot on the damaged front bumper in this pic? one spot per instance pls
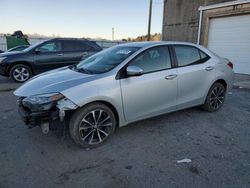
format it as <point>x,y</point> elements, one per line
<point>32,115</point>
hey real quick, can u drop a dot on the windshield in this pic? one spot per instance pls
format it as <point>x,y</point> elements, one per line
<point>106,60</point>
<point>33,46</point>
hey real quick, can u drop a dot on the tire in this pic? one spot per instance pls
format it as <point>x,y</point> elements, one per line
<point>88,132</point>
<point>20,73</point>
<point>215,98</point>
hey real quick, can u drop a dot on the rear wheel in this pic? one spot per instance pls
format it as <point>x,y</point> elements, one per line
<point>215,98</point>
<point>20,73</point>
<point>92,125</point>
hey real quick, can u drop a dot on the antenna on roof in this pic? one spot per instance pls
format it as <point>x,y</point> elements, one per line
<point>113,34</point>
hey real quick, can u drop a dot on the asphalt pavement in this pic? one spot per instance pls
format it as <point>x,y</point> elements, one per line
<point>143,154</point>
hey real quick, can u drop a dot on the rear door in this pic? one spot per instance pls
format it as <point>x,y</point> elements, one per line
<point>155,91</point>
<point>75,51</point>
<point>195,74</point>
<point>48,56</point>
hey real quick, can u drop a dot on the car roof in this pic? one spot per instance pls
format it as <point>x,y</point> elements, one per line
<point>155,43</point>
<point>148,44</point>
<point>64,39</point>
<point>86,41</point>
<point>68,38</point>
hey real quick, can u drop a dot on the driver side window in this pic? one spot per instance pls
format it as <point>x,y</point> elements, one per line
<point>154,59</point>
<point>50,47</point>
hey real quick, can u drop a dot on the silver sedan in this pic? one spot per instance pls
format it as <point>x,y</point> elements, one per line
<point>124,84</point>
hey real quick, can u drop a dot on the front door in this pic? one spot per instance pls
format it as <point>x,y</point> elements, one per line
<point>154,92</point>
<point>48,56</point>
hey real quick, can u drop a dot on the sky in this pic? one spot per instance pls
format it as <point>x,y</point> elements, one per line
<point>80,18</point>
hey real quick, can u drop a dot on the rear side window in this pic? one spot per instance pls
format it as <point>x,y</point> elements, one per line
<point>84,46</point>
<point>93,45</point>
<point>154,59</point>
<point>70,46</point>
<point>203,55</point>
<point>188,55</point>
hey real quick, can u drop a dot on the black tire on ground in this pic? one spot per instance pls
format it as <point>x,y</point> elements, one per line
<point>82,122</point>
<point>215,97</point>
<point>20,73</point>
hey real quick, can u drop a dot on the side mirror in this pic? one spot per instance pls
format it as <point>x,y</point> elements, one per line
<point>37,51</point>
<point>134,71</point>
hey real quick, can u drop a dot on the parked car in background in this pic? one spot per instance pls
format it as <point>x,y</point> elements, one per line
<point>124,84</point>
<point>18,48</point>
<point>44,56</point>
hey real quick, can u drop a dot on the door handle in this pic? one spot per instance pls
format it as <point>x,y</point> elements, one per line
<point>171,76</point>
<point>85,53</point>
<point>209,68</point>
<point>59,54</point>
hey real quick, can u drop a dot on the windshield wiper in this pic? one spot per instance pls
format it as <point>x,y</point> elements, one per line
<point>82,70</point>
<point>72,67</point>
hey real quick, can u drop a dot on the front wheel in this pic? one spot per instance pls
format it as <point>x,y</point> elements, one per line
<point>92,125</point>
<point>215,98</point>
<point>20,73</point>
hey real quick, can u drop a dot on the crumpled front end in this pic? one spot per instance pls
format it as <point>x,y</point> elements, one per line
<point>44,110</point>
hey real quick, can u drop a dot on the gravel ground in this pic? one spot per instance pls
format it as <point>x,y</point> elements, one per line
<point>142,154</point>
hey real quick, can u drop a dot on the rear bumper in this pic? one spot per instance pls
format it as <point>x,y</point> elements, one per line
<point>230,82</point>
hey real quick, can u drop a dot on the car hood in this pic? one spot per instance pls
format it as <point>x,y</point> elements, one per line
<point>6,54</point>
<point>53,81</point>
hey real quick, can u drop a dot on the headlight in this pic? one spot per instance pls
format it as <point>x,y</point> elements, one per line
<point>45,98</point>
<point>42,102</point>
<point>1,59</point>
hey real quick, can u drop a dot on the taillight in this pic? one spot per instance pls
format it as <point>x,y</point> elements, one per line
<point>231,65</point>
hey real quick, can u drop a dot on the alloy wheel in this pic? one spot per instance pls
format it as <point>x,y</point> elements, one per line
<point>217,97</point>
<point>95,127</point>
<point>21,74</point>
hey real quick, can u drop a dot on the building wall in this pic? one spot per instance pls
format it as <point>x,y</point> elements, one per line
<point>181,19</point>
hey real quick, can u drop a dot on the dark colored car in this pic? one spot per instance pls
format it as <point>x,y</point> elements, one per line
<point>44,56</point>
<point>18,48</point>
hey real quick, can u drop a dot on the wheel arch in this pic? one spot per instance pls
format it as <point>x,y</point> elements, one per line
<point>207,102</point>
<point>218,80</point>
<point>20,63</point>
<point>108,104</point>
<point>222,81</point>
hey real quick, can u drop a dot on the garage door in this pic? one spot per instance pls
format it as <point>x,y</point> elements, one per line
<point>230,37</point>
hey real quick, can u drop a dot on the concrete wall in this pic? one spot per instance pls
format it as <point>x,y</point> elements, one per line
<point>181,19</point>
<point>3,45</point>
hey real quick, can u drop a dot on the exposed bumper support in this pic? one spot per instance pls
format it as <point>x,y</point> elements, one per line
<point>64,105</point>
<point>44,119</point>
